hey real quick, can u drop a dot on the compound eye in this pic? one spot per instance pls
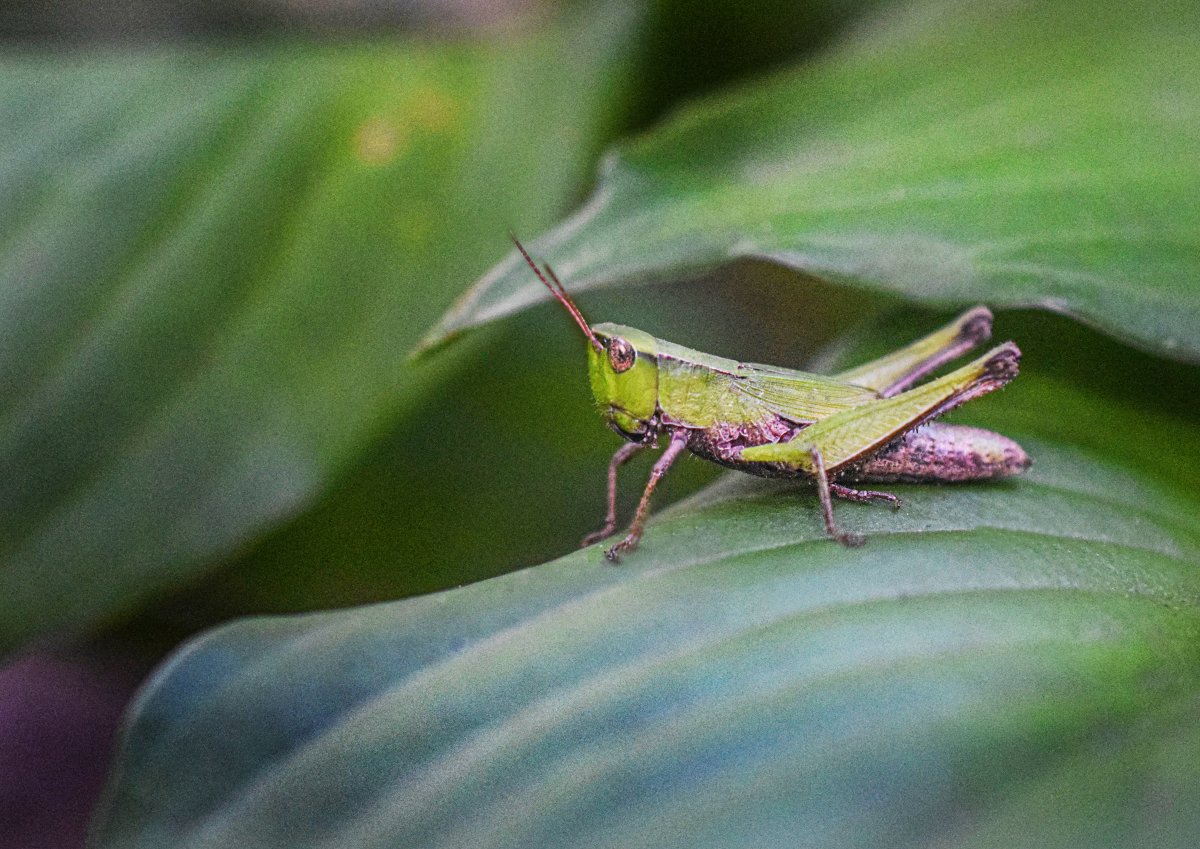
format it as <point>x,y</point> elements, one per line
<point>621,355</point>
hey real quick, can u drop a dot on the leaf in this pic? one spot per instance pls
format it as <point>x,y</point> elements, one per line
<point>741,680</point>
<point>1032,154</point>
<point>214,262</point>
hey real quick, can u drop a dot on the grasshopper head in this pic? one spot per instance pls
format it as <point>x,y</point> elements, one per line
<point>624,376</point>
<point>622,364</point>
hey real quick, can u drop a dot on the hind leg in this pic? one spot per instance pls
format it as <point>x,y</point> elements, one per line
<point>820,449</point>
<point>900,369</point>
<point>863,496</point>
<point>860,431</point>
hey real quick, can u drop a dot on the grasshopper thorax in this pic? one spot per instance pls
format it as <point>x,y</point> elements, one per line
<point>624,377</point>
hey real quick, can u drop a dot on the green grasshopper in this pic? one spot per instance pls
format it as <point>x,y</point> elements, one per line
<point>857,426</point>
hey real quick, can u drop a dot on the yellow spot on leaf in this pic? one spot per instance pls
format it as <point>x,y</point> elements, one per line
<point>379,140</point>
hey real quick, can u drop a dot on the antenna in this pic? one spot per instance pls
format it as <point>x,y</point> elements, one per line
<point>560,293</point>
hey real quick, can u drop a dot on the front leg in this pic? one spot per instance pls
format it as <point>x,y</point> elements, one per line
<point>610,520</point>
<point>679,440</point>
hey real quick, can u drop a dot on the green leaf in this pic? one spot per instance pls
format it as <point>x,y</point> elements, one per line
<point>741,680</point>
<point>1029,154</point>
<point>213,263</point>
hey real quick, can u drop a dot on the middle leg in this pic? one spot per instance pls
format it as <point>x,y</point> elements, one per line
<point>823,490</point>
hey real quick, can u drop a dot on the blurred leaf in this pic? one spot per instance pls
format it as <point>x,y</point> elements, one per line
<point>741,680</point>
<point>214,262</point>
<point>1028,154</point>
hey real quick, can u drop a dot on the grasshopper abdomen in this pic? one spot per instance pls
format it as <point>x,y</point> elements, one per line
<point>940,452</point>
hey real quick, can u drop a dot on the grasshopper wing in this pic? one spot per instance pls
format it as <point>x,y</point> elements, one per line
<point>799,396</point>
<point>807,398</point>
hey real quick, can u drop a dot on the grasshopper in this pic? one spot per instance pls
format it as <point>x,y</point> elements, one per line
<point>868,424</point>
